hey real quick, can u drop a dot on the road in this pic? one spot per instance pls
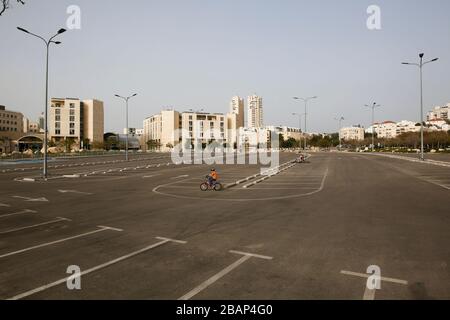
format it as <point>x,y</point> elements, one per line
<point>144,230</point>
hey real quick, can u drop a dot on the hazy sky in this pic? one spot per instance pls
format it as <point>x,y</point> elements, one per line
<point>199,53</point>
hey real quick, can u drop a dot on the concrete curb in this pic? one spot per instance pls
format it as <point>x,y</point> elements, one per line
<point>257,175</point>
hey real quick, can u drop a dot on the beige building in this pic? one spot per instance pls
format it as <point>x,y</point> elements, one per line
<point>235,120</point>
<point>163,129</point>
<point>11,124</point>
<point>82,121</point>
<point>169,128</point>
<point>255,112</point>
<point>351,133</point>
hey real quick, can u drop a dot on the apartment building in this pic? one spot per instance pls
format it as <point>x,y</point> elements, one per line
<point>287,132</point>
<point>439,113</point>
<point>255,112</point>
<point>11,124</point>
<point>81,121</point>
<point>405,126</point>
<point>351,133</point>
<point>169,128</point>
<point>203,128</point>
<point>235,119</point>
<point>163,129</point>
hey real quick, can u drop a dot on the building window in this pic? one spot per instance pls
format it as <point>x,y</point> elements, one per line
<point>57,132</point>
<point>72,119</point>
<point>72,132</point>
<point>57,118</point>
<point>58,111</point>
<point>72,112</point>
<point>72,105</point>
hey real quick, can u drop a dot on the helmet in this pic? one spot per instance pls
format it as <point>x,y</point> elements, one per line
<point>213,169</point>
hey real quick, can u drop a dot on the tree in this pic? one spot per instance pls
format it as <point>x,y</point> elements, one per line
<point>4,5</point>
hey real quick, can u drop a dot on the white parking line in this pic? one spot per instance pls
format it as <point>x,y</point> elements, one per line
<point>369,293</point>
<point>245,256</point>
<point>96,268</point>
<point>18,213</point>
<point>4,205</point>
<point>59,219</point>
<point>102,228</point>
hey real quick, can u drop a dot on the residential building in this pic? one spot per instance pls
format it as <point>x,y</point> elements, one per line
<point>287,132</point>
<point>351,133</point>
<point>255,112</point>
<point>237,108</point>
<point>386,130</point>
<point>439,113</point>
<point>169,128</point>
<point>204,128</point>
<point>405,126</point>
<point>11,124</point>
<point>163,129</point>
<point>81,121</point>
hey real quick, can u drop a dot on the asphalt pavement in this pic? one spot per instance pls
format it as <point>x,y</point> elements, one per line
<point>144,230</point>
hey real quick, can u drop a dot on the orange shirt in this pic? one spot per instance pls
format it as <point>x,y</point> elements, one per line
<point>214,175</point>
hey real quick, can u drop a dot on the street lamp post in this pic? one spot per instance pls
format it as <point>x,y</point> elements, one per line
<point>420,65</point>
<point>47,44</point>
<point>299,124</point>
<point>305,100</point>
<point>126,99</point>
<point>340,127</point>
<point>373,107</point>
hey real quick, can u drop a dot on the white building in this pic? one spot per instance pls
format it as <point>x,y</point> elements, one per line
<point>287,132</point>
<point>439,113</point>
<point>255,112</point>
<point>351,134</point>
<point>405,126</point>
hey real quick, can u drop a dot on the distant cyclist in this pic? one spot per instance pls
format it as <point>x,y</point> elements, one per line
<point>213,177</point>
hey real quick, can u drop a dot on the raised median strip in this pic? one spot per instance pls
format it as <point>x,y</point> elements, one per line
<point>269,172</point>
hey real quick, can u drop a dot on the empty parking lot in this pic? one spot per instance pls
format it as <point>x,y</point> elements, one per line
<point>144,230</point>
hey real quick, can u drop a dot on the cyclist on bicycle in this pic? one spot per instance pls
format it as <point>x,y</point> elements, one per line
<point>213,177</point>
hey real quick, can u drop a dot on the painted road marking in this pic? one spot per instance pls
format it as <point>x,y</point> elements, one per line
<point>245,256</point>
<point>180,177</point>
<point>31,199</point>
<point>74,191</point>
<point>96,268</point>
<point>59,219</point>
<point>102,228</point>
<point>4,205</point>
<point>369,294</point>
<point>18,213</point>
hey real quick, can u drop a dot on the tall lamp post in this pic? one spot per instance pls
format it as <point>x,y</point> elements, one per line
<point>340,127</point>
<point>373,107</point>
<point>299,125</point>
<point>305,100</point>
<point>126,99</point>
<point>47,44</point>
<point>420,65</point>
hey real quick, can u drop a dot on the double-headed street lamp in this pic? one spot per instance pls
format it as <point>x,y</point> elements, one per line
<point>305,100</point>
<point>420,65</point>
<point>340,127</point>
<point>126,117</point>
<point>47,44</point>
<point>373,107</point>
